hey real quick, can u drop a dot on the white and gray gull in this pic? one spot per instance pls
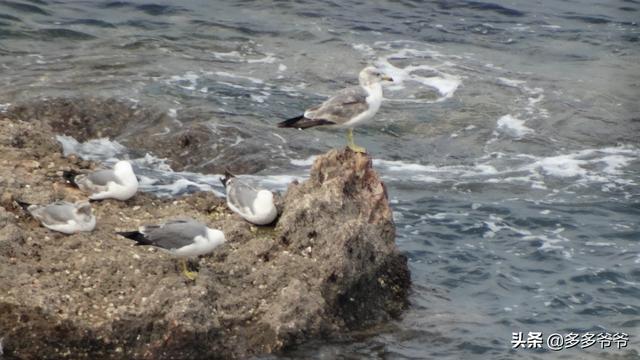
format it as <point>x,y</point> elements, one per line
<point>63,216</point>
<point>118,183</point>
<point>254,205</point>
<point>348,108</point>
<point>182,238</point>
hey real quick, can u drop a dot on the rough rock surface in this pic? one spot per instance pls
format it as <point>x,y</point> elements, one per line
<point>329,266</point>
<point>189,143</point>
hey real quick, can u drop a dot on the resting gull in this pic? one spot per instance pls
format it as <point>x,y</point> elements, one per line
<point>255,206</point>
<point>182,238</point>
<point>63,216</point>
<point>348,108</point>
<point>118,183</point>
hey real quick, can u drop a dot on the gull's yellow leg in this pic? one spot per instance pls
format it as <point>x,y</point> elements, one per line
<point>352,145</point>
<point>191,275</point>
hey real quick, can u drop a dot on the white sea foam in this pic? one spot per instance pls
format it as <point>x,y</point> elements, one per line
<point>304,162</point>
<point>550,240</point>
<point>430,72</point>
<point>445,84</point>
<point>496,224</point>
<point>268,59</point>
<point>606,166</point>
<point>235,56</point>
<point>241,77</point>
<point>157,176</point>
<point>512,126</point>
<point>599,243</point>
<point>177,187</point>
<point>440,172</point>
<point>260,98</point>
<point>236,86</point>
<point>188,81</point>
<point>97,149</point>
<point>590,165</point>
<point>231,55</point>
<point>511,82</point>
<point>582,167</point>
<point>365,49</point>
<point>4,107</point>
<point>520,27</point>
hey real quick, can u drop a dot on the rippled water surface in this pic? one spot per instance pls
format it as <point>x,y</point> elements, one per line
<point>509,141</point>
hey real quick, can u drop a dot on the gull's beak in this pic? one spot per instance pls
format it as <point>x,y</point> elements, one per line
<point>387,78</point>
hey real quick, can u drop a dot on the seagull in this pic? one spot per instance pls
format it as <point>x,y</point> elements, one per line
<point>119,183</point>
<point>348,108</point>
<point>182,238</point>
<point>255,206</point>
<point>63,216</point>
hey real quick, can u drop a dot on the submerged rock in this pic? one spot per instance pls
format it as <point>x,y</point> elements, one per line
<point>329,266</point>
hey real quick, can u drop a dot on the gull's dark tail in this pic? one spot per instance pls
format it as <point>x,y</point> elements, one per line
<point>227,176</point>
<point>301,122</point>
<point>23,205</point>
<point>136,236</point>
<point>70,177</point>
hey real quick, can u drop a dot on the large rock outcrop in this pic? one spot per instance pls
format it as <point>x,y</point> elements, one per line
<point>328,267</point>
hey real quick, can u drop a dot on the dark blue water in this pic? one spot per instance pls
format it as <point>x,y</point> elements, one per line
<point>509,142</point>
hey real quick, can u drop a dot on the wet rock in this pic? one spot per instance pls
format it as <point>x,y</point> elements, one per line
<point>191,143</point>
<point>82,118</point>
<point>329,266</point>
<point>201,147</point>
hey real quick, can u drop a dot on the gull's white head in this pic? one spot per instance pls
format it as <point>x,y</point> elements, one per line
<point>124,170</point>
<point>265,208</point>
<point>372,75</point>
<point>122,167</point>
<point>265,197</point>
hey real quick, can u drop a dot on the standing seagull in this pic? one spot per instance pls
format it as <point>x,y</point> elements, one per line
<point>182,238</point>
<point>255,206</point>
<point>119,183</point>
<point>348,108</point>
<point>63,216</point>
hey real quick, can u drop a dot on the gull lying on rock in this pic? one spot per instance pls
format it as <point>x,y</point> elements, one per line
<point>118,183</point>
<point>182,238</point>
<point>255,206</point>
<point>63,216</point>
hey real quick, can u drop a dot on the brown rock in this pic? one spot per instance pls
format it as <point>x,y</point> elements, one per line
<point>329,266</point>
<point>341,218</point>
<point>30,164</point>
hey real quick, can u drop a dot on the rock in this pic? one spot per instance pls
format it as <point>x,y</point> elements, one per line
<point>341,218</point>
<point>330,266</point>
<point>30,164</point>
<point>188,142</point>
